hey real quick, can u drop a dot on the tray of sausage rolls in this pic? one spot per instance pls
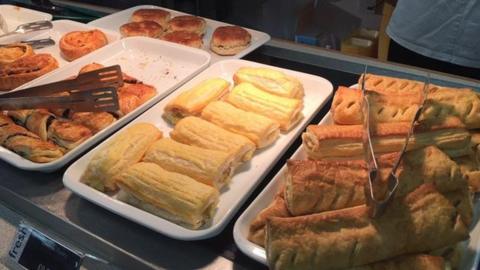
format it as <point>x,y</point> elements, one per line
<point>20,62</point>
<point>313,214</point>
<point>221,40</point>
<point>45,139</point>
<point>203,150</point>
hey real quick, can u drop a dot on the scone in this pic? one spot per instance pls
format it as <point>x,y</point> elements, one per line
<point>145,29</point>
<point>229,40</point>
<point>76,44</point>
<point>157,15</point>
<point>187,23</point>
<point>12,52</point>
<point>190,39</point>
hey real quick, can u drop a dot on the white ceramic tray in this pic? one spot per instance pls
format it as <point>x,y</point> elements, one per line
<point>246,178</point>
<point>154,62</point>
<point>114,21</point>
<point>14,16</point>
<point>60,28</point>
<point>256,252</point>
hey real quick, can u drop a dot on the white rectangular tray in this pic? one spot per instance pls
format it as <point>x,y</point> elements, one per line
<point>60,28</point>
<point>246,178</point>
<point>154,62</point>
<point>14,16</point>
<point>256,252</point>
<point>115,20</point>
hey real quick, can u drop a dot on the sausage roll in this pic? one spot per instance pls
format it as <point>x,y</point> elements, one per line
<point>270,80</point>
<point>76,44</point>
<point>170,195</point>
<point>95,121</point>
<point>192,101</point>
<point>345,238</point>
<point>68,134</point>
<point>211,167</point>
<point>195,131</point>
<point>258,128</point>
<point>125,149</point>
<point>286,111</point>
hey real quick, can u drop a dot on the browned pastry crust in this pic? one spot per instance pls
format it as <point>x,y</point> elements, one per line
<point>4,120</point>
<point>25,69</point>
<point>95,121</point>
<point>68,134</point>
<point>13,52</point>
<point>90,67</point>
<point>127,102</point>
<point>345,142</point>
<point>185,38</point>
<point>76,44</point>
<point>187,23</point>
<point>144,92</point>
<point>145,28</point>
<point>157,15</point>
<point>346,238</point>
<point>229,40</point>
<point>410,262</point>
<point>38,122</point>
<point>9,130</point>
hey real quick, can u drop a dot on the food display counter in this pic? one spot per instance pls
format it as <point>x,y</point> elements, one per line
<point>40,198</point>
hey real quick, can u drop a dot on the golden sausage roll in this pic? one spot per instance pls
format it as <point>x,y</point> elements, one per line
<point>258,128</point>
<point>76,44</point>
<point>211,167</point>
<point>195,131</point>
<point>286,111</point>
<point>270,80</point>
<point>192,101</point>
<point>126,149</point>
<point>170,195</point>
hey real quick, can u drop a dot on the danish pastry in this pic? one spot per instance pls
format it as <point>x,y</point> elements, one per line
<point>76,44</point>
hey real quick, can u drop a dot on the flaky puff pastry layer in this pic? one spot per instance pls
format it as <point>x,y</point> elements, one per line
<point>191,102</point>
<point>195,131</point>
<point>286,111</point>
<point>258,128</point>
<point>345,142</point>
<point>211,167</point>
<point>171,195</point>
<point>346,238</point>
<point>126,149</point>
<point>270,80</point>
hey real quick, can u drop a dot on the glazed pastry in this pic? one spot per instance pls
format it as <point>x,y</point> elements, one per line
<point>185,38</point>
<point>391,85</point>
<point>76,44</point>
<point>211,167</point>
<point>187,23</point>
<point>4,120</point>
<point>20,116</point>
<point>286,111</point>
<point>192,101</point>
<point>229,40</point>
<point>144,92</point>
<point>411,262</point>
<point>145,28</point>
<point>120,152</point>
<point>67,134</point>
<point>157,15</point>
<point>270,80</point>
<point>38,122</point>
<point>95,121</point>
<point>170,195</point>
<point>90,67</point>
<point>25,69</point>
<point>470,169</point>
<point>127,102</point>
<point>345,142</point>
<point>259,129</point>
<point>195,131</point>
<point>346,238</point>
<point>13,52</point>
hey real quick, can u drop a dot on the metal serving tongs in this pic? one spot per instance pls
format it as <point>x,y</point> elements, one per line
<point>35,44</point>
<point>91,91</point>
<point>377,206</point>
<point>30,27</point>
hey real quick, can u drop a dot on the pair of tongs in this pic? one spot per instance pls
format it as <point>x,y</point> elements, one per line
<point>36,43</point>
<point>88,92</point>
<point>377,206</point>
<point>30,27</point>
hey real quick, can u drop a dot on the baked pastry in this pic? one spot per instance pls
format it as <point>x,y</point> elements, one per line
<point>95,121</point>
<point>68,134</point>
<point>127,102</point>
<point>120,152</point>
<point>192,101</point>
<point>170,195</point>
<point>20,116</point>
<point>76,44</point>
<point>90,67</point>
<point>211,167</point>
<point>38,122</point>
<point>391,85</point>
<point>144,92</point>
<point>229,40</point>
<point>195,131</point>
<point>411,262</point>
<point>286,111</point>
<point>145,29</point>
<point>186,38</point>
<point>259,129</point>
<point>157,15</point>
<point>25,69</point>
<point>345,142</point>
<point>13,52</point>
<point>346,238</point>
<point>187,23</point>
<point>270,80</point>
<point>470,169</point>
